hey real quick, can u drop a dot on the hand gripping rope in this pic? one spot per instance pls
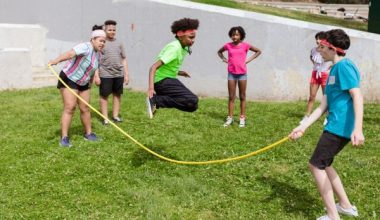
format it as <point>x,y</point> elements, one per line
<point>163,157</point>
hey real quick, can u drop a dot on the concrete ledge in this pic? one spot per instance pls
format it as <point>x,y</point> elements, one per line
<point>25,36</point>
<point>15,68</point>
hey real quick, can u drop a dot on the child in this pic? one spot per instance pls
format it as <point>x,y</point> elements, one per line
<point>78,74</point>
<point>113,72</point>
<point>237,70</point>
<point>344,101</point>
<point>318,76</point>
<point>170,92</point>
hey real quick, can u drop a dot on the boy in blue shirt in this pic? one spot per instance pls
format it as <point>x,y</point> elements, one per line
<point>344,102</point>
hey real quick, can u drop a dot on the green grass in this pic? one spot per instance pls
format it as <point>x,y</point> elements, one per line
<point>115,179</point>
<point>298,15</point>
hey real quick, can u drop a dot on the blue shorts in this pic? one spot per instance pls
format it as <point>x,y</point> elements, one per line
<point>237,77</point>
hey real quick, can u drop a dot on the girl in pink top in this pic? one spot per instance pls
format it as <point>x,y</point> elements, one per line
<point>237,70</point>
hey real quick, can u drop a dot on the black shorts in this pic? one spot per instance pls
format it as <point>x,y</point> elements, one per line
<point>328,147</point>
<point>70,83</point>
<point>111,85</point>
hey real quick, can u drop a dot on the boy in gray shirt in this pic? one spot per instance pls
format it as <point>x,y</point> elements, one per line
<point>113,72</point>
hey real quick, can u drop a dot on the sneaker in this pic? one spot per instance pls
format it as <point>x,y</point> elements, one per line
<point>325,122</point>
<point>65,142</point>
<point>353,211</point>
<point>304,119</point>
<point>105,122</point>
<point>325,217</point>
<point>228,122</point>
<point>242,122</point>
<point>90,137</point>
<point>150,107</point>
<point>116,119</point>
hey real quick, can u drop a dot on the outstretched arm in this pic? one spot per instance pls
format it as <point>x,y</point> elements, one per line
<point>152,73</point>
<point>63,57</point>
<point>255,55</point>
<point>317,113</point>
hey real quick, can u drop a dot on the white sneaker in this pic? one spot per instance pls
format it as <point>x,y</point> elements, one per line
<point>228,122</point>
<point>325,217</point>
<point>304,119</point>
<point>242,123</point>
<point>353,211</point>
<point>325,122</point>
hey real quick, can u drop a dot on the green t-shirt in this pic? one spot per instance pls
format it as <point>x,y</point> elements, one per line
<point>172,56</point>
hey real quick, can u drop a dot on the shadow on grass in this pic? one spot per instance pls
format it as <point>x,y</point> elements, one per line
<point>141,156</point>
<point>294,200</point>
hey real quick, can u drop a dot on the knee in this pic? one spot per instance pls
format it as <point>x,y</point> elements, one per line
<point>231,98</point>
<point>69,109</point>
<point>311,98</point>
<point>192,104</point>
<point>242,97</point>
<point>84,109</point>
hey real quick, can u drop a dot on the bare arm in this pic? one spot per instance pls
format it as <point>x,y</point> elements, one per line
<point>357,137</point>
<point>126,74</point>
<point>63,57</point>
<point>220,54</point>
<point>152,72</point>
<point>255,55</point>
<point>317,113</point>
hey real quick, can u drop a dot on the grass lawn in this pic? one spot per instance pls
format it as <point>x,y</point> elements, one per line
<point>115,179</point>
<point>298,15</point>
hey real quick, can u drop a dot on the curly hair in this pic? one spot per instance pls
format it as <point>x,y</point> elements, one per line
<point>338,38</point>
<point>184,24</point>
<point>320,35</point>
<point>238,29</point>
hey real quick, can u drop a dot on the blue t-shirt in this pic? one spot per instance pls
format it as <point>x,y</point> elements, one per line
<point>344,75</point>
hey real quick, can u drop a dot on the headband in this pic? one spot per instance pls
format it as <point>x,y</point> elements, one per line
<point>186,32</point>
<point>98,33</point>
<point>337,49</point>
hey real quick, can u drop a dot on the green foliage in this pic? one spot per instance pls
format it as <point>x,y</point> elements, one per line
<point>298,15</point>
<point>115,179</point>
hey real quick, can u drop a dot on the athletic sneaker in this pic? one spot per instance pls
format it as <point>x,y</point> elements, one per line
<point>90,137</point>
<point>353,211</point>
<point>150,107</point>
<point>304,119</point>
<point>105,122</point>
<point>228,122</point>
<point>116,119</point>
<point>242,122</point>
<point>325,217</point>
<point>65,142</point>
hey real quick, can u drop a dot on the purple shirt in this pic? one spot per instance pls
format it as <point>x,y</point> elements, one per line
<point>237,55</point>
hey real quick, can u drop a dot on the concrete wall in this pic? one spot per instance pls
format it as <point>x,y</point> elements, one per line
<point>281,73</point>
<point>15,76</point>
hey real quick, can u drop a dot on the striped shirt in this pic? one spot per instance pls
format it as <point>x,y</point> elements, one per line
<point>82,67</point>
<point>110,63</point>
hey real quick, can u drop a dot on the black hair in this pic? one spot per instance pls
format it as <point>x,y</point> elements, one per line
<point>338,38</point>
<point>238,29</point>
<point>97,27</point>
<point>110,22</point>
<point>184,24</point>
<point>320,35</point>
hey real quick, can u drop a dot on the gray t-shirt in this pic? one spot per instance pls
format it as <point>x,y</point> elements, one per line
<point>110,62</point>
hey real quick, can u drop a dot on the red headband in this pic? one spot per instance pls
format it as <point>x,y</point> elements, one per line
<point>337,49</point>
<point>186,32</point>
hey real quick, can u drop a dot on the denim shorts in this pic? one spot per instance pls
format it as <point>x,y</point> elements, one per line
<point>237,77</point>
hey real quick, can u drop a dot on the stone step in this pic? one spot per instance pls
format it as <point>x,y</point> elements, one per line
<point>42,77</point>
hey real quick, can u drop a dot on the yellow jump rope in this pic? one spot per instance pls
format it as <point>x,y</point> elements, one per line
<point>163,157</point>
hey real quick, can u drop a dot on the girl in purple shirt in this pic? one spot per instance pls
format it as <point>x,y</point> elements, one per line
<point>237,70</point>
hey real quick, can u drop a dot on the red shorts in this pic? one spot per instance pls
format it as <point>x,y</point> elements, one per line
<point>320,81</point>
